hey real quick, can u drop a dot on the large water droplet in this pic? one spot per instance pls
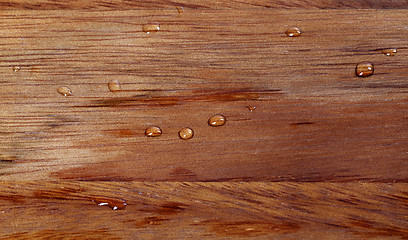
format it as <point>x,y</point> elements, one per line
<point>153,131</point>
<point>151,28</point>
<point>390,51</point>
<point>186,133</point>
<point>364,69</point>
<point>293,32</point>
<point>66,91</point>
<point>114,86</point>
<point>217,120</point>
<point>16,68</point>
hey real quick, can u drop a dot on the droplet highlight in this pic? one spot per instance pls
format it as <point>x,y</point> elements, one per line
<point>16,68</point>
<point>364,69</point>
<point>251,108</point>
<point>217,120</point>
<point>293,32</point>
<point>390,51</point>
<point>153,132</point>
<point>114,86</point>
<point>186,133</point>
<point>151,28</point>
<point>115,204</point>
<point>65,91</point>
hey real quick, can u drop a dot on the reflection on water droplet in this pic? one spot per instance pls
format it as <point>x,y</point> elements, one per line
<point>293,32</point>
<point>16,68</point>
<point>251,108</point>
<point>186,133</point>
<point>151,28</point>
<point>153,132</point>
<point>364,69</point>
<point>64,91</point>
<point>217,120</point>
<point>390,51</point>
<point>114,86</point>
<point>115,204</point>
<point>180,9</point>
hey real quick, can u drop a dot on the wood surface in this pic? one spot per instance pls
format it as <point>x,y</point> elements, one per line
<point>177,210</point>
<point>323,155</point>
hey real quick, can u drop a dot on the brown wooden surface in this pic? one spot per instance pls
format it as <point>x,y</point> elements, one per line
<point>256,210</point>
<point>324,154</point>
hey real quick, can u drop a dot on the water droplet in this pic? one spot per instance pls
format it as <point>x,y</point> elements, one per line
<point>115,204</point>
<point>153,132</point>
<point>16,68</point>
<point>180,9</point>
<point>64,91</point>
<point>364,69</point>
<point>114,86</point>
<point>390,51</point>
<point>217,120</point>
<point>293,32</point>
<point>151,28</point>
<point>251,108</point>
<point>186,133</point>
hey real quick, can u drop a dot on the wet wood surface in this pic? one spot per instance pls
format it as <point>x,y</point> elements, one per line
<point>308,148</point>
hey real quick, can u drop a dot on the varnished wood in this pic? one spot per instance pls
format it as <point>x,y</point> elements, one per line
<point>198,64</point>
<point>204,210</point>
<point>309,150</point>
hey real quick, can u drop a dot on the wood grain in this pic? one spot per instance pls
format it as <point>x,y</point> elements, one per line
<point>204,210</point>
<point>202,63</point>
<point>322,155</point>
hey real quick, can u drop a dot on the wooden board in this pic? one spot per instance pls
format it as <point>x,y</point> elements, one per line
<point>314,119</point>
<point>69,210</point>
<point>316,128</point>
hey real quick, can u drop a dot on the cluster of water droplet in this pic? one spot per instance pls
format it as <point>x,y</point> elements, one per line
<point>187,133</point>
<point>363,69</point>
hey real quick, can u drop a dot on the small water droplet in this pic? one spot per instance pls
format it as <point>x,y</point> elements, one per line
<point>115,204</point>
<point>180,9</point>
<point>293,32</point>
<point>153,132</point>
<point>114,86</point>
<point>251,108</point>
<point>16,68</point>
<point>217,120</point>
<point>151,28</point>
<point>390,51</point>
<point>364,69</point>
<point>186,133</point>
<point>66,91</point>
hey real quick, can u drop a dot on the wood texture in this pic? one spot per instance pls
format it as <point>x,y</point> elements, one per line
<point>322,156</point>
<point>204,210</point>
<point>202,63</point>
